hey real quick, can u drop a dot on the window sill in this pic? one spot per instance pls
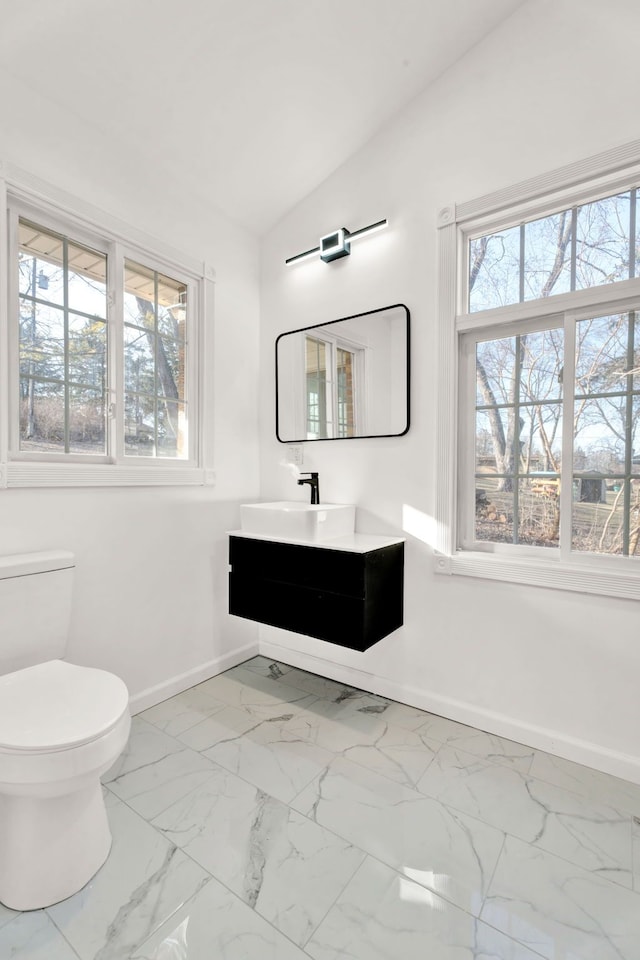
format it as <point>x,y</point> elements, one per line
<point>540,573</point>
<point>25,474</point>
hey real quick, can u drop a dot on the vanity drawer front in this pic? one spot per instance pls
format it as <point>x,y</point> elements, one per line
<point>315,613</point>
<point>337,571</point>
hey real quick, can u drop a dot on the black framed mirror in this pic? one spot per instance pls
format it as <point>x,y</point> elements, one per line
<point>345,379</point>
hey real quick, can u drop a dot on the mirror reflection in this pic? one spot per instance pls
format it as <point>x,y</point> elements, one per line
<point>343,379</point>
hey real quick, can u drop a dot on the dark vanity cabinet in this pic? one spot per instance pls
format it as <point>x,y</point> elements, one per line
<point>352,598</point>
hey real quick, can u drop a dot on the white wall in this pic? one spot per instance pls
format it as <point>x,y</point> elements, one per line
<point>151,582</point>
<point>553,669</point>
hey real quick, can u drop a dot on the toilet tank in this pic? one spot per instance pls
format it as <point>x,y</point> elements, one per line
<point>35,607</point>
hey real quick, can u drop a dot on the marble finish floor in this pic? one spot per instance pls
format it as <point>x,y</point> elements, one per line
<point>270,814</point>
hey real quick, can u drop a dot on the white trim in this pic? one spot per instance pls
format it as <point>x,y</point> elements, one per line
<point>540,738</point>
<point>446,430</point>
<point>607,164</point>
<point>552,573</point>
<point>184,681</point>
<point>22,473</point>
<point>4,329</point>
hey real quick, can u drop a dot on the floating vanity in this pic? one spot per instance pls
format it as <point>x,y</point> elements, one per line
<point>345,588</point>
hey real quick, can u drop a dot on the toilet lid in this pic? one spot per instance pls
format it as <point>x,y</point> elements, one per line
<point>54,705</point>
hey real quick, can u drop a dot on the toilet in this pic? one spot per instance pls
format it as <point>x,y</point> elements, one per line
<point>61,727</point>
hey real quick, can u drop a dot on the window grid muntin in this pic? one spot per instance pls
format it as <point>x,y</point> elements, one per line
<point>64,308</point>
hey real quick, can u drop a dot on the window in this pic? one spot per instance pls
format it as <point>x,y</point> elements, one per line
<point>330,388</point>
<point>545,455</point>
<point>102,341</point>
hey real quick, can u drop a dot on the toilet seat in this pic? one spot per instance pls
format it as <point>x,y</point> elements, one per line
<point>57,706</point>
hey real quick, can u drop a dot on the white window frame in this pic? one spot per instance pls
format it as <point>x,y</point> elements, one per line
<point>598,176</point>
<point>24,195</point>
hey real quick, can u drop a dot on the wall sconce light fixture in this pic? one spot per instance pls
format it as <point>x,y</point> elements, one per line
<point>337,244</point>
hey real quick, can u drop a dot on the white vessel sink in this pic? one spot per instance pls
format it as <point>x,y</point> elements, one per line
<point>294,520</point>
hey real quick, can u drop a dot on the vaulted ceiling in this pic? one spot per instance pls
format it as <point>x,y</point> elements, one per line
<point>256,101</point>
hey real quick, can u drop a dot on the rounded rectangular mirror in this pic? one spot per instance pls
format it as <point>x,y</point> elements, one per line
<point>346,378</point>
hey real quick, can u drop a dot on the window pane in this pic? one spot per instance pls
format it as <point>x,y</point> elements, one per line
<point>40,263</point>
<point>316,388</point>
<point>539,511</point>
<point>495,371</point>
<point>171,429</point>
<point>346,422</point>
<point>87,351</point>
<point>540,437</point>
<point>547,256</point>
<point>139,364</point>
<point>42,415</point>
<point>492,427</point>
<point>139,425</point>
<point>602,346</point>
<point>541,363</point>
<point>602,241</point>
<point>172,307</point>
<point>170,368</point>
<point>87,280</point>
<point>494,270</point>
<point>600,434</point>
<point>86,421</point>
<point>598,522</point>
<point>155,363</point>
<point>494,510</point>
<point>42,340</point>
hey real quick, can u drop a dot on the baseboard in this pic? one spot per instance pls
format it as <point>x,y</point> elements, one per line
<point>541,738</point>
<point>169,688</point>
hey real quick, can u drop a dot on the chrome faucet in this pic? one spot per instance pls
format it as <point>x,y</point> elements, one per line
<point>312,480</point>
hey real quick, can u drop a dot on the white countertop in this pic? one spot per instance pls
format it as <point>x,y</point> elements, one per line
<point>352,543</point>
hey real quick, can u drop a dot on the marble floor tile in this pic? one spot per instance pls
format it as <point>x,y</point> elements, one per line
<point>267,667</point>
<point>559,910</point>
<point>597,838</point>
<point>289,869</point>
<point>272,760</point>
<point>34,936</point>
<point>452,854</point>
<point>332,690</point>
<point>232,722</point>
<point>398,754</point>
<point>215,925</point>
<point>590,784</point>
<point>382,915</point>
<point>143,882</point>
<point>240,687</point>
<point>487,746</point>
<point>182,712</point>
<point>337,726</point>
<point>6,914</point>
<point>147,745</point>
<point>152,787</point>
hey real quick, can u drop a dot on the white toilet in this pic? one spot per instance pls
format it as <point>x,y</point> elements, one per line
<point>61,727</point>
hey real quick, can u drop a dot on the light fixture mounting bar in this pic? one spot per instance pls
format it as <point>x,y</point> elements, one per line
<point>335,245</point>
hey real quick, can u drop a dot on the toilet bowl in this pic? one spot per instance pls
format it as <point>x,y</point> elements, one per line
<point>61,727</point>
